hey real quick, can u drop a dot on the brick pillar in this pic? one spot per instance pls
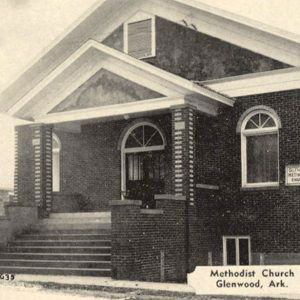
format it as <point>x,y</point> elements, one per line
<point>42,148</point>
<point>183,152</point>
<point>16,168</point>
<point>183,138</point>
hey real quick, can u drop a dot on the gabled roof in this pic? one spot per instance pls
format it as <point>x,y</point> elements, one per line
<point>94,56</point>
<point>103,18</point>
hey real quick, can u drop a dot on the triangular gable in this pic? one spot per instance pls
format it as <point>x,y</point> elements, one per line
<point>196,56</point>
<point>106,16</point>
<point>105,88</point>
<point>61,89</point>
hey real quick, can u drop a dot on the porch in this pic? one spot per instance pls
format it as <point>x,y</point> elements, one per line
<point>140,168</point>
<point>112,133</point>
<point>118,159</point>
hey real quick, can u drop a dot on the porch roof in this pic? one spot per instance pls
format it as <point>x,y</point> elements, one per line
<point>256,83</point>
<point>94,56</point>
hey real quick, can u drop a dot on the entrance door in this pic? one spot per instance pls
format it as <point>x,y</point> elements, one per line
<point>145,173</point>
<point>143,163</point>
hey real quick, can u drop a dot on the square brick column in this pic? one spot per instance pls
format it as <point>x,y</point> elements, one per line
<point>33,166</point>
<point>183,139</point>
<point>42,144</point>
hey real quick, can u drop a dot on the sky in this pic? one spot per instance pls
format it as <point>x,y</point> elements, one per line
<point>27,27</point>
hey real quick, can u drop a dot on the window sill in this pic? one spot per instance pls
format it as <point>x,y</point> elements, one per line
<point>149,211</point>
<point>260,187</point>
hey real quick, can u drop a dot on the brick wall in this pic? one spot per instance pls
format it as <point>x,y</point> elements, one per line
<point>24,165</point>
<point>197,56</point>
<point>91,161</point>
<point>269,216</point>
<point>148,244</point>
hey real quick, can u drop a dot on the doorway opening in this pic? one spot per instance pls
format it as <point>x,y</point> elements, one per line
<point>143,163</point>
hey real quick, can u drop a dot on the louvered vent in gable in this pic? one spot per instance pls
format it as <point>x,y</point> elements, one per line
<point>139,39</point>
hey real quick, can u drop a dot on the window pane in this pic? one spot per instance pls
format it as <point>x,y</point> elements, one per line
<point>132,142</point>
<point>244,251</point>
<point>152,137</point>
<point>255,120</point>
<point>269,123</point>
<point>55,144</point>
<point>231,252</point>
<point>138,135</point>
<point>262,158</point>
<point>263,119</point>
<point>251,125</point>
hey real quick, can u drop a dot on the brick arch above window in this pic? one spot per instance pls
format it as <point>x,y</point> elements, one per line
<point>258,108</point>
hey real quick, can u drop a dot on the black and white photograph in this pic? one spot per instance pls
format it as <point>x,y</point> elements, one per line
<point>150,149</point>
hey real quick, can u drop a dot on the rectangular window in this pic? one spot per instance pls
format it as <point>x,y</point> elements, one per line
<point>236,251</point>
<point>262,158</point>
<point>139,38</point>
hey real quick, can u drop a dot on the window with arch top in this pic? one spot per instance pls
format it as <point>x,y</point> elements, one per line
<point>142,154</point>
<point>143,137</point>
<point>260,151</point>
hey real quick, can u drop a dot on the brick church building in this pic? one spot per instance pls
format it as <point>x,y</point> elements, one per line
<point>159,136</point>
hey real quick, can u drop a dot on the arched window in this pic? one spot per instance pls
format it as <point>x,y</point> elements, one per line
<point>259,145</point>
<point>56,147</point>
<point>143,137</point>
<point>143,161</point>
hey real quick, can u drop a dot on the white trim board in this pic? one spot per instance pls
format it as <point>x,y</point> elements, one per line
<point>230,28</point>
<point>152,77</point>
<point>258,83</point>
<point>241,19</point>
<point>111,110</point>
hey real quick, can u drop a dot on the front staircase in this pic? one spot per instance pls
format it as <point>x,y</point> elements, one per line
<point>63,244</point>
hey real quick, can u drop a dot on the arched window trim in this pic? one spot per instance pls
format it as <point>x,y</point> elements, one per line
<point>253,110</point>
<point>57,140</point>
<point>142,149</point>
<point>125,150</point>
<point>257,132</point>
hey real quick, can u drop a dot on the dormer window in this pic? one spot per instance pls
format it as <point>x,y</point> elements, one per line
<point>139,36</point>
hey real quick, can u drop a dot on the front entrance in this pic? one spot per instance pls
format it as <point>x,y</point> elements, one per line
<point>143,163</point>
<point>145,173</point>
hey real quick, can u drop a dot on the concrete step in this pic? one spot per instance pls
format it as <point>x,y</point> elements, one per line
<point>65,243</point>
<point>58,237</point>
<point>55,263</point>
<point>76,221</point>
<point>58,249</point>
<point>44,231</point>
<point>40,227</point>
<point>94,215</point>
<point>56,256</point>
<point>56,271</point>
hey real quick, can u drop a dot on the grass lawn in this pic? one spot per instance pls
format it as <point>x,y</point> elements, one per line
<point>93,291</point>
